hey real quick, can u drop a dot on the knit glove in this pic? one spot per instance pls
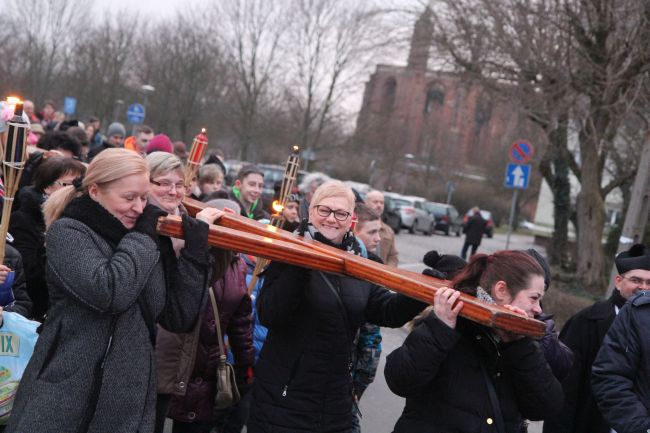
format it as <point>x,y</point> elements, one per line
<point>435,273</point>
<point>196,236</point>
<point>148,221</point>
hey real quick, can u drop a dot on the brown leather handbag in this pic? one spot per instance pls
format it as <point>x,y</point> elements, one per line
<point>227,392</point>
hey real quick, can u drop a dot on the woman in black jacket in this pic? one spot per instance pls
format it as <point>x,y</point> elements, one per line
<point>302,378</point>
<point>461,377</point>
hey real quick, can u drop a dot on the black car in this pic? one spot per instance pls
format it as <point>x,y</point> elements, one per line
<point>447,218</point>
<point>391,215</point>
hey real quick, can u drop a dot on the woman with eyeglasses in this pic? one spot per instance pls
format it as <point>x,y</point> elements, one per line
<point>303,381</point>
<point>110,282</point>
<point>187,362</point>
<point>27,225</point>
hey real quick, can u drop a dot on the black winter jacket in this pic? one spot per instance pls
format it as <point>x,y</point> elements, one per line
<point>22,304</point>
<point>303,382</point>
<point>27,226</point>
<point>583,334</point>
<point>621,373</point>
<point>474,229</point>
<point>439,371</point>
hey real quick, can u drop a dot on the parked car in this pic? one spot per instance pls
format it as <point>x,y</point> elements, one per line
<point>414,216</point>
<point>447,218</point>
<point>487,216</point>
<point>391,215</point>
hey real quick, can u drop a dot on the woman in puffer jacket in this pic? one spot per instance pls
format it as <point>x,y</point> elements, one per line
<point>460,377</point>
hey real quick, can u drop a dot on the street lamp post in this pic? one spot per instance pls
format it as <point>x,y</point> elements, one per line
<point>146,89</point>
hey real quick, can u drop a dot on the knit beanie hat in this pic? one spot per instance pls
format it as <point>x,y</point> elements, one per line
<point>160,143</point>
<point>446,265</point>
<point>116,128</point>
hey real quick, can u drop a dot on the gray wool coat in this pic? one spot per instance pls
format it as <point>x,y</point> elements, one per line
<point>89,282</point>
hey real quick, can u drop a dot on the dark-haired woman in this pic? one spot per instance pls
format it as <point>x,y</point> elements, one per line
<point>27,225</point>
<point>461,377</point>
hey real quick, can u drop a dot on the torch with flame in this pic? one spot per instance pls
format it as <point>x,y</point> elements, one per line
<point>277,219</point>
<point>14,155</point>
<point>199,146</point>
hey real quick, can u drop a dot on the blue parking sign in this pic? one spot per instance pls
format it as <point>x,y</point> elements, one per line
<point>135,114</point>
<point>69,105</point>
<point>517,176</point>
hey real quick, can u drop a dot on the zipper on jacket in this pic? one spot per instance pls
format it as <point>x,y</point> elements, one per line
<point>294,370</point>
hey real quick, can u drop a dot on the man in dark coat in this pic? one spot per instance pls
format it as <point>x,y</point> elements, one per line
<point>584,334</point>
<point>620,377</point>
<point>474,229</point>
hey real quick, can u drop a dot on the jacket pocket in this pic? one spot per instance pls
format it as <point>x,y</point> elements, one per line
<point>292,374</point>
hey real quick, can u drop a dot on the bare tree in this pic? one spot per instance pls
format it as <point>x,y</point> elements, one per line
<point>565,61</point>
<point>250,32</point>
<point>100,67</point>
<point>182,59</point>
<point>329,44</point>
<point>42,32</point>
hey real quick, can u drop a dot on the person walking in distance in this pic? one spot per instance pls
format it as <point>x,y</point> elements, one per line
<point>474,230</point>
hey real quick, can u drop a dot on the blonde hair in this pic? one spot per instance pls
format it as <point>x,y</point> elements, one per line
<point>161,163</point>
<point>108,166</point>
<point>333,188</point>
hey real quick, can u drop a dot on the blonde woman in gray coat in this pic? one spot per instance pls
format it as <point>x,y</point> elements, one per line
<point>93,367</point>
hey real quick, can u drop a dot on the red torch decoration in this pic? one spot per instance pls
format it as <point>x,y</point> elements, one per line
<point>199,145</point>
<point>14,155</point>
<point>277,219</point>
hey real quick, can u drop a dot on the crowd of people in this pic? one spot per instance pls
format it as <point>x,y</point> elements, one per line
<point>129,338</point>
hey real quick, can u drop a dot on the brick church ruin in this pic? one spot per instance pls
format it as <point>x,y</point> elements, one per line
<point>437,119</point>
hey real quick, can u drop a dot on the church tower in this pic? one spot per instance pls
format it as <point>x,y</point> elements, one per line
<point>421,42</point>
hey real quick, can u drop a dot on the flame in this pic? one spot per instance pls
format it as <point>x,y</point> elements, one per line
<point>13,100</point>
<point>203,131</point>
<point>277,206</point>
<point>296,148</point>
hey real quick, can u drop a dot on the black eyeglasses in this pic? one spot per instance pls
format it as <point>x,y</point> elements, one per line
<point>167,185</point>
<point>339,215</point>
<point>636,280</point>
<point>58,182</point>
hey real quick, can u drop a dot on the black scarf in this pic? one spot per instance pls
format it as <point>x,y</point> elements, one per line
<point>86,210</point>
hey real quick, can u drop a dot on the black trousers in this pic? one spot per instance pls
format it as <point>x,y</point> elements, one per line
<point>466,245</point>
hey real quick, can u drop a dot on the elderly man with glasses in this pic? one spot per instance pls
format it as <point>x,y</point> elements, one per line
<point>606,408</point>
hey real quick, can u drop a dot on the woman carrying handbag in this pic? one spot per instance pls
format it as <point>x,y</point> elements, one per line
<point>188,364</point>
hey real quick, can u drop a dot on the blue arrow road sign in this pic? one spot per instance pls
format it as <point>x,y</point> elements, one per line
<point>517,176</point>
<point>135,114</point>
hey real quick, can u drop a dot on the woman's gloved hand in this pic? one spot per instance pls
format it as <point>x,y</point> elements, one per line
<point>196,236</point>
<point>148,221</point>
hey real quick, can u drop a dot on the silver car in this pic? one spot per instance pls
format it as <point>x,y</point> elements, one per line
<point>414,215</point>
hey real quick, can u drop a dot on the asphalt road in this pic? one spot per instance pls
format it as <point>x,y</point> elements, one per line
<point>379,406</point>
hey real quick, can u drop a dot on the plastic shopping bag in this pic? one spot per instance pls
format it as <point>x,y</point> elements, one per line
<point>17,340</point>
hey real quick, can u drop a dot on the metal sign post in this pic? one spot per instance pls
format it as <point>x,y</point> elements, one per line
<point>517,177</point>
<point>511,220</point>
